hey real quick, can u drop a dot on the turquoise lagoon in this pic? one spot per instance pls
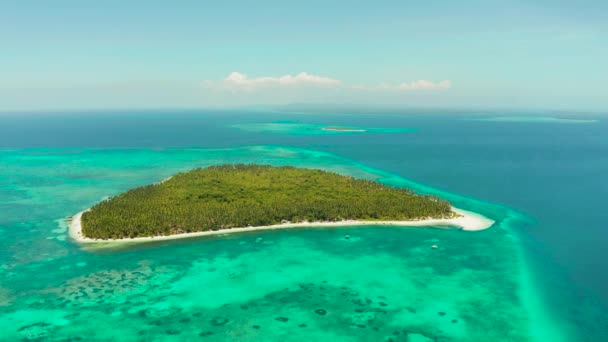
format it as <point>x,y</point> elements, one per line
<point>300,128</point>
<point>382,284</point>
<point>537,119</point>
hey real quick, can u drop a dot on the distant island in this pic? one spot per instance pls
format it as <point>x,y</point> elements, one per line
<point>536,119</point>
<point>234,198</point>
<point>343,129</point>
<point>300,128</point>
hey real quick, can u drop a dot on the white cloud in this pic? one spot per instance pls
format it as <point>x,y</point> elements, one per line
<point>240,81</point>
<point>237,80</point>
<point>411,86</point>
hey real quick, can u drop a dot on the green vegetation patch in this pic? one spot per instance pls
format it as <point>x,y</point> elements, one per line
<point>228,196</point>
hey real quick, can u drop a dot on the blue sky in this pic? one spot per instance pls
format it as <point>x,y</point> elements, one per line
<point>157,54</point>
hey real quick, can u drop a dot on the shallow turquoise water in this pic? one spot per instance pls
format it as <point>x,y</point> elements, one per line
<point>383,283</point>
<point>299,128</point>
<point>537,119</point>
<point>527,278</point>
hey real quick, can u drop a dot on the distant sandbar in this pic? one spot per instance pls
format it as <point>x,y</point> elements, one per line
<point>342,129</point>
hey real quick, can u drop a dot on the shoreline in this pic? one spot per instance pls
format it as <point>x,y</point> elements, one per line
<point>467,220</point>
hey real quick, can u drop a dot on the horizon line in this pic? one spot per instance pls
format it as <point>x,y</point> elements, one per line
<point>309,108</point>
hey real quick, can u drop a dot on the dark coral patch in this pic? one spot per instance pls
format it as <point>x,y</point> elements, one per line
<point>172,332</point>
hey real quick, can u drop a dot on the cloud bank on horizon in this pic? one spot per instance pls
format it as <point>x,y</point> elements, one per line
<point>239,81</point>
<point>508,54</point>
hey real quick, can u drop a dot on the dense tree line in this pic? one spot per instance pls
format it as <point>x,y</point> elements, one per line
<point>227,196</point>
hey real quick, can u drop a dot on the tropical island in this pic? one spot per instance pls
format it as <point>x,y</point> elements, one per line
<point>235,198</point>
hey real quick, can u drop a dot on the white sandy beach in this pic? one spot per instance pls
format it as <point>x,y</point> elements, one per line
<point>466,221</point>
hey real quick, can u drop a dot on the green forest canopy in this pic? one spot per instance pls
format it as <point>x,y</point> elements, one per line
<point>227,196</point>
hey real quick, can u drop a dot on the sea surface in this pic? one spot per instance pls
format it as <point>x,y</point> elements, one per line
<point>538,274</point>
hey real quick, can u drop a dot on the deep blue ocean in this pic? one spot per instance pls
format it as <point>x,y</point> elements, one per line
<point>555,172</point>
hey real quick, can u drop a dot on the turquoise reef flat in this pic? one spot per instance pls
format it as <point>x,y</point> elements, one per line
<point>537,119</point>
<point>298,128</point>
<point>381,283</point>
